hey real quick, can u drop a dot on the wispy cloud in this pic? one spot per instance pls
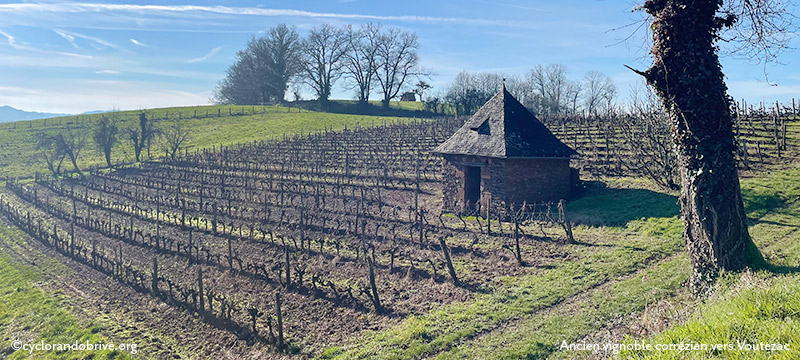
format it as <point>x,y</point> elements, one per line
<point>74,55</point>
<point>227,10</point>
<point>79,96</point>
<point>12,41</point>
<point>139,43</point>
<point>107,72</point>
<point>97,43</point>
<point>205,57</point>
<point>68,37</point>
<point>17,90</point>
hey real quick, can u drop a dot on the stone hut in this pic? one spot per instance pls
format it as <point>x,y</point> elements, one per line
<point>503,155</point>
<point>408,96</point>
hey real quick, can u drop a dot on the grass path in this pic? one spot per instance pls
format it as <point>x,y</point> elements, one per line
<point>32,315</point>
<point>540,335</point>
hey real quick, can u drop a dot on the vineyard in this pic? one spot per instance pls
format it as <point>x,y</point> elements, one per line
<point>210,126</point>
<point>300,242</point>
<point>607,143</point>
<point>262,238</point>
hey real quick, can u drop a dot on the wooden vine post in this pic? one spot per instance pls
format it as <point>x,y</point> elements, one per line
<point>450,268</point>
<point>200,289</point>
<point>230,255</point>
<point>565,223</point>
<point>280,319</point>
<point>288,267</point>
<point>155,276</point>
<point>373,286</point>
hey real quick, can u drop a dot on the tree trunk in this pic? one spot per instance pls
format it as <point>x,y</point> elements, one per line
<point>386,101</point>
<point>74,160</point>
<point>687,76</point>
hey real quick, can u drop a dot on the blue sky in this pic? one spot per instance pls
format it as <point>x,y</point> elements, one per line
<point>72,57</point>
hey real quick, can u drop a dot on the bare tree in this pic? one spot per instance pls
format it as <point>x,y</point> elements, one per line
<point>105,136</point>
<point>241,82</point>
<point>175,136</point>
<point>599,91</point>
<point>760,29</point>
<point>523,90</point>
<point>687,76</point>
<point>262,71</point>
<point>421,88</point>
<point>55,147</point>
<point>645,129</point>
<point>323,59</point>
<point>468,91</point>
<point>52,155</point>
<point>360,60</point>
<point>142,135</point>
<point>284,49</point>
<point>572,93</point>
<point>550,85</point>
<point>397,61</point>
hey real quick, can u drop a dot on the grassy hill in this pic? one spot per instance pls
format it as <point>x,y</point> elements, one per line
<point>211,126</point>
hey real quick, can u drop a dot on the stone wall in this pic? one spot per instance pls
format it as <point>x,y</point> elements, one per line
<point>492,181</point>
<point>494,184</point>
<point>506,181</point>
<point>452,186</point>
<point>538,180</point>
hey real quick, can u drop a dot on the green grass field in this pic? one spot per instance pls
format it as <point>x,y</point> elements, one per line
<point>235,124</point>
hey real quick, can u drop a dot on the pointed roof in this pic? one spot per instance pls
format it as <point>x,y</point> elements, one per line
<point>504,128</point>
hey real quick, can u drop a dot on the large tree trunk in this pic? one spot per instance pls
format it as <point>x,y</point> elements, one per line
<point>688,78</point>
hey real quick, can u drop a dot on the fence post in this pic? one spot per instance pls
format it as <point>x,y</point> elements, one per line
<point>777,129</point>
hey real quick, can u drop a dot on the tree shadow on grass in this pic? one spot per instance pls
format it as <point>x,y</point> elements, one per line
<point>617,207</point>
<point>781,269</point>
<point>760,263</point>
<point>758,204</point>
<point>757,261</point>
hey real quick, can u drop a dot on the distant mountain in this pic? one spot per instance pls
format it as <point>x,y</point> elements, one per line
<point>95,112</point>
<point>9,114</point>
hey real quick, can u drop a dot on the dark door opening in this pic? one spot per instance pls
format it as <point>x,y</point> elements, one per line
<point>472,187</point>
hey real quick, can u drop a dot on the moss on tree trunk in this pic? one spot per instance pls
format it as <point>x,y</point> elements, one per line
<point>688,78</point>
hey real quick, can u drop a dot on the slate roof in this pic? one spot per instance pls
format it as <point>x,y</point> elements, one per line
<point>504,128</point>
